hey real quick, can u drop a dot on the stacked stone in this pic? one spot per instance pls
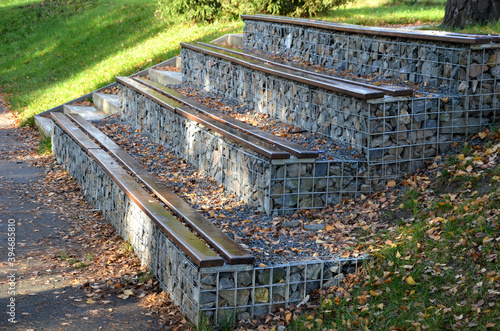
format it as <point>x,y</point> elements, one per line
<point>219,292</point>
<point>247,293</point>
<point>239,169</point>
<point>309,185</point>
<point>278,186</point>
<point>174,269</point>
<point>452,66</point>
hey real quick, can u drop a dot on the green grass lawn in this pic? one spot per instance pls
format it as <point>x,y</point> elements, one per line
<point>437,267</point>
<point>52,52</point>
<point>389,12</point>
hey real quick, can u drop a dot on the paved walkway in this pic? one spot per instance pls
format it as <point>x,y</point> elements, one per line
<point>47,297</point>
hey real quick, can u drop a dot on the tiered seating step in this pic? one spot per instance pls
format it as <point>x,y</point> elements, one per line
<point>107,103</point>
<point>460,38</point>
<point>386,89</point>
<point>295,149</point>
<point>163,77</point>
<point>243,138</point>
<point>294,75</point>
<point>90,113</point>
<point>232,252</point>
<point>189,243</point>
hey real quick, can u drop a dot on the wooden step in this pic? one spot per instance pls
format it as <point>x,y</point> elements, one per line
<point>257,145</point>
<point>291,74</point>
<point>295,149</point>
<point>386,89</point>
<point>443,36</point>
<point>218,240</point>
<point>187,241</point>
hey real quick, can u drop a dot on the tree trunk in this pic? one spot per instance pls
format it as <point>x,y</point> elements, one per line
<point>460,13</point>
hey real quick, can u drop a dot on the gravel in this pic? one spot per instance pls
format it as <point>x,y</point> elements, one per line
<point>272,240</point>
<point>328,148</point>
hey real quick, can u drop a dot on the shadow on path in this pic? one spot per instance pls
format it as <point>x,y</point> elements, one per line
<point>46,294</point>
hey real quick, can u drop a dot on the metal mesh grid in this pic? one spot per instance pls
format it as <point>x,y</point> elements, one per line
<point>175,272</point>
<point>239,169</point>
<point>262,290</point>
<point>216,292</point>
<point>431,63</point>
<point>396,135</point>
<point>314,185</point>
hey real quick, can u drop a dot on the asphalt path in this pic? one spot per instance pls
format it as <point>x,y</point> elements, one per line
<point>36,292</point>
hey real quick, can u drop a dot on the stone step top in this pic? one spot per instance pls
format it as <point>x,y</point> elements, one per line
<point>253,143</point>
<point>164,78</point>
<point>288,73</point>
<point>293,148</point>
<point>108,103</point>
<point>89,113</point>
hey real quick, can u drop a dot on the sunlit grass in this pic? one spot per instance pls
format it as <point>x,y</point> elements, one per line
<point>387,12</point>
<point>46,60</point>
<point>50,54</point>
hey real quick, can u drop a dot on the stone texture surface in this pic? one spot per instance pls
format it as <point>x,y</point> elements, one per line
<point>215,292</point>
<point>434,64</point>
<point>394,135</point>
<point>174,270</point>
<point>239,169</point>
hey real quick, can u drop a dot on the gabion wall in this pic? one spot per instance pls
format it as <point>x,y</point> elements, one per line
<point>175,271</point>
<point>279,186</point>
<point>395,134</point>
<point>218,293</point>
<point>260,291</point>
<point>239,169</point>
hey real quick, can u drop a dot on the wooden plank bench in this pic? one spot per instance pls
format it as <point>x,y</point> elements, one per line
<point>257,145</point>
<point>188,242</point>
<point>391,90</point>
<point>218,240</point>
<point>442,36</point>
<point>291,74</point>
<point>295,149</point>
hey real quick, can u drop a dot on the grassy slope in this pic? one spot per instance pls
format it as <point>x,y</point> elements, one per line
<point>53,53</point>
<point>437,267</point>
<point>387,12</point>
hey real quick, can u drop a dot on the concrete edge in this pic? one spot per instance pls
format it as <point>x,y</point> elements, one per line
<point>107,103</point>
<point>44,125</point>
<point>233,39</point>
<point>59,109</point>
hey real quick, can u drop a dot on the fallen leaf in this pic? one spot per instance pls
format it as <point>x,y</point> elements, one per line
<point>410,281</point>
